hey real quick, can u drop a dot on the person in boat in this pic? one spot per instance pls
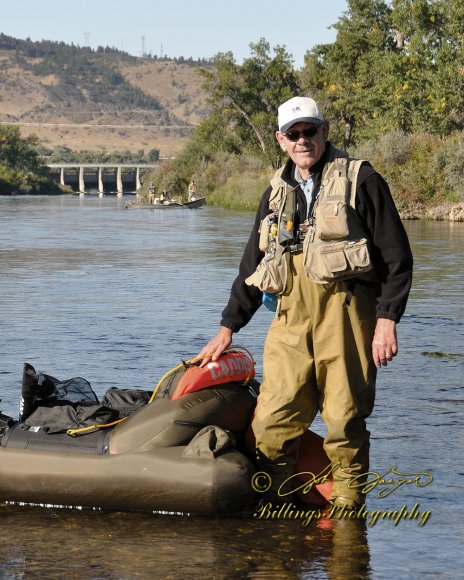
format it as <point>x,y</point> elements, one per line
<point>165,197</point>
<point>151,192</point>
<point>192,189</point>
<point>329,248</point>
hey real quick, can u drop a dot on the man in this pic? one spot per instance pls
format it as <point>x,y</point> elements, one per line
<point>329,244</point>
<point>151,193</point>
<point>192,189</point>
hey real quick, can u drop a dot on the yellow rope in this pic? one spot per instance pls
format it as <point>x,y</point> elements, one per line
<point>165,376</point>
<point>190,361</point>
<point>253,364</point>
<point>91,427</point>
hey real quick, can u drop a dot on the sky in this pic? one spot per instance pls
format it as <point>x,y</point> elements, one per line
<point>187,28</point>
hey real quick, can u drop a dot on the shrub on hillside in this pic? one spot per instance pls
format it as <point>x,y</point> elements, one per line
<point>450,161</point>
<point>419,168</point>
<point>210,171</point>
<point>242,191</point>
<point>218,171</point>
<point>391,149</point>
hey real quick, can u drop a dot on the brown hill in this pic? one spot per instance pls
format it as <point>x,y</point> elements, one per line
<point>63,113</point>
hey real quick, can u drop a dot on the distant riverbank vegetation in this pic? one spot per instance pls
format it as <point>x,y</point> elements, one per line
<point>23,162</point>
<point>22,169</point>
<point>67,155</point>
<point>391,86</point>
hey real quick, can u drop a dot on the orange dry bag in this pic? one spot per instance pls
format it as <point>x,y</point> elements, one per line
<point>229,367</point>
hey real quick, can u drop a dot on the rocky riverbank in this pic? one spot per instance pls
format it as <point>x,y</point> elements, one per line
<point>448,212</point>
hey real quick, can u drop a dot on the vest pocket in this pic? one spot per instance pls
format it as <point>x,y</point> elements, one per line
<point>335,185</point>
<point>270,275</point>
<point>332,218</point>
<point>330,261</point>
<point>357,255</point>
<point>264,231</point>
<point>338,260</point>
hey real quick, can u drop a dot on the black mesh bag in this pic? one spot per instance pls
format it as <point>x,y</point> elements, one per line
<point>39,389</point>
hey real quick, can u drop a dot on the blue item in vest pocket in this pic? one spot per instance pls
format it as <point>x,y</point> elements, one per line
<point>270,301</point>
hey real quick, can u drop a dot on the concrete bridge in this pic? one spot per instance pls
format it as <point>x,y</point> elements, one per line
<point>104,178</point>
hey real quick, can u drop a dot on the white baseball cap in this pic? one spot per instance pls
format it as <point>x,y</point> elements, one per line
<point>297,110</point>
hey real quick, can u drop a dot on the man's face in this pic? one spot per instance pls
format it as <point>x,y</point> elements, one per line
<point>308,146</point>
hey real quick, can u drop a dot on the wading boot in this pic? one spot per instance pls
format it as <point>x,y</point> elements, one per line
<point>347,490</point>
<point>274,485</point>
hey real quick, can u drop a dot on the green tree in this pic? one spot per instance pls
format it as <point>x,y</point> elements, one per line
<point>397,67</point>
<point>416,104</point>
<point>21,168</point>
<point>245,99</point>
<point>153,155</point>
<point>449,77</point>
<point>343,75</point>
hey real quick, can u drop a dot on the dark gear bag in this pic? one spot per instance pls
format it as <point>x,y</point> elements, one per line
<point>39,389</point>
<point>125,401</point>
<point>60,416</point>
<point>56,406</point>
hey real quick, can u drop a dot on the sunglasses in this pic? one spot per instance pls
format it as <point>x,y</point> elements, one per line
<point>306,133</point>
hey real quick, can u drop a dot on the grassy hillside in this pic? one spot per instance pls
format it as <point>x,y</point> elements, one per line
<point>98,100</point>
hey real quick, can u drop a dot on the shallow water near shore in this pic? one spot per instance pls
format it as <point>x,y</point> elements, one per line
<point>119,296</point>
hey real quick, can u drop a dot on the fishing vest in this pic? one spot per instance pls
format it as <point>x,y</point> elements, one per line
<point>332,239</point>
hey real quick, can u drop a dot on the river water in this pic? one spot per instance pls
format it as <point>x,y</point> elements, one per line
<point>119,296</point>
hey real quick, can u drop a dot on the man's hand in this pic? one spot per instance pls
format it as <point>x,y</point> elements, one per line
<point>384,344</point>
<point>216,346</point>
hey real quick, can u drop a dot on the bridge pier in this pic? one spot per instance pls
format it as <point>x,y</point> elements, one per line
<point>119,186</point>
<point>101,190</point>
<point>114,176</point>
<point>81,180</point>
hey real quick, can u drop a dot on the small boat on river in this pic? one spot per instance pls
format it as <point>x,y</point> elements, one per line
<point>193,204</point>
<point>186,449</point>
